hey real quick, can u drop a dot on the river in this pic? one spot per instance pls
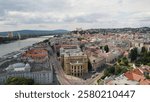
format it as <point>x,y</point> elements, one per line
<point>17,45</point>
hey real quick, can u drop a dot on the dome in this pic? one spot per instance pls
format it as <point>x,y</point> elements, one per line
<point>27,65</point>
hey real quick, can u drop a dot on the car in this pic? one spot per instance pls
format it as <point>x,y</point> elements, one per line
<point>93,76</point>
<point>93,72</point>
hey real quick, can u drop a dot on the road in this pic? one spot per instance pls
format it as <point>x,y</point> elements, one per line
<point>92,81</point>
<point>58,68</point>
<point>60,74</point>
<point>3,61</point>
<point>62,77</point>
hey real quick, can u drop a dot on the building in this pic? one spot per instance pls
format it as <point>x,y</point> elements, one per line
<point>73,60</point>
<point>140,44</point>
<point>113,55</point>
<point>10,34</point>
<point>42,76</point>
<point>133,75</point>
<point>18,67</point>
<point>147,45</point>
<point>120,80</point>
<point>97,63</point>
<point>145,70</point>
<point>35,55</point>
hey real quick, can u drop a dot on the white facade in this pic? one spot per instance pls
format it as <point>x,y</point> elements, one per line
<point>17,67</point>
<point>41,77</point>
<point>23,70</point>
<point>120,80</point>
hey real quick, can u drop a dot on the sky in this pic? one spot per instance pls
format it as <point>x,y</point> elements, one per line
<point>72,14</point>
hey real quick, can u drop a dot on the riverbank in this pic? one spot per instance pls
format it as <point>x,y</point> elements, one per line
<point>7,49</point>
<point>7,40</point>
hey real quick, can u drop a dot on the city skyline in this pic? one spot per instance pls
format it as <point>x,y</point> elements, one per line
<point>70,14</point>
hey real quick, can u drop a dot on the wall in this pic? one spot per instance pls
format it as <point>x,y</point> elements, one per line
<point>42,77</point>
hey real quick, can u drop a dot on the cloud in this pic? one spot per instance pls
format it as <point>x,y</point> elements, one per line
<point>87,18</point>
<point>69,14</point>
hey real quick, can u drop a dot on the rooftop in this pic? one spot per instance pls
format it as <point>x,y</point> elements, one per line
<point>71,50</point>
<point>18,67</point>
<point>122,80</point>
<point>35,53</point>
<point>137,75</point>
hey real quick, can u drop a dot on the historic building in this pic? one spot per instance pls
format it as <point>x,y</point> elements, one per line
<point>35,55</point>
<point>73,60</point>
<point>42,75</point>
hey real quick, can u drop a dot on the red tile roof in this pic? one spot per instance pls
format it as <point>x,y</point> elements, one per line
<point>35,53</point>
<point>138,71</point>
<point>137,75</point>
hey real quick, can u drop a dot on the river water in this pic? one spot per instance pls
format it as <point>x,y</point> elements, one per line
<point>17,45</point>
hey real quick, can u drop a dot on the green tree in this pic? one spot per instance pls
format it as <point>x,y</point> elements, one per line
<point>143,50</point>
<point>82,46</point>
<point>125,61</point>
<point>101,47</point>
<point>133,54</point>
<point>19,81</point>
<point>106,48</point>
<point>109,71</point>
<point>119,60</point>
<point>147,76</point>
<point>80,39</point>
<point>117,70</point>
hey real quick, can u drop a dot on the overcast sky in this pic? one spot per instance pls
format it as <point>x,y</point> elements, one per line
<point>70,14</point>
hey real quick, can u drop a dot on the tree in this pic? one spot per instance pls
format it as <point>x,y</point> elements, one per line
<point>147,76</point>
<point>101,47</point>
<point>117,70</point>
<point>80,39</point>
<point>143,50</point>
<point>82,46</point>
<point>133,54</point>
<point>109,71</point>
<point>89,66</point>
<point>106,48</point>
<point>125,61</point>
<point>19,81</point>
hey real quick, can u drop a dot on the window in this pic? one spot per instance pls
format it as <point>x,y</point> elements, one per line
<point>74,67</point>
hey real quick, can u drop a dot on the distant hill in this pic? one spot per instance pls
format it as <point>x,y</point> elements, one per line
<point>35,32</point>
<point>116,30</point>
